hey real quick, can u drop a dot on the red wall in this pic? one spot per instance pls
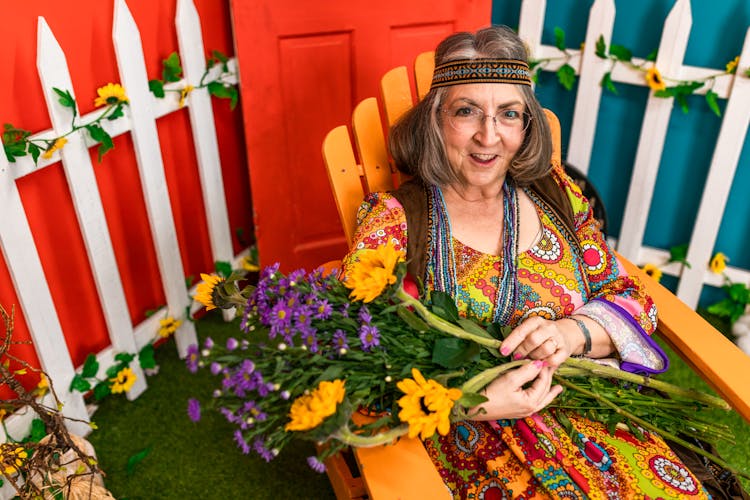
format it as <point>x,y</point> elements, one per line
<point>84,33</point>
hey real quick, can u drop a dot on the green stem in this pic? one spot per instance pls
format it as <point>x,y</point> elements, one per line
<point>651,427</point>
<point>441,324</point>
<point>607,371</point>
<point>345,435</point>
<point>478,382</point>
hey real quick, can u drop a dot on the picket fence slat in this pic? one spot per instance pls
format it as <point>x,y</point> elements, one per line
<point>530,25</point>
<point>132,67</point>
<point>653,133</point>
<point>593,68</point>
<point>718,184</point>
<point>53,73</point>
<point>22,259</point>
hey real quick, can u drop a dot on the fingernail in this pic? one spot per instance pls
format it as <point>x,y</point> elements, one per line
<point>538,363</point>
<point>518,355</point>
<point>504,351</point>
<point>544,363</point>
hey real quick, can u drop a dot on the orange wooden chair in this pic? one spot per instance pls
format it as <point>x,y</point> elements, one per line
<point>403,469</point>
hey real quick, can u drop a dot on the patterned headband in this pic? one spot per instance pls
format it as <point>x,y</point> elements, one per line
<point>481,71</point>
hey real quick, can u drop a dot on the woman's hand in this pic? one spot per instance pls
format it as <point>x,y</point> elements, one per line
<point>507,397</point>
<point>544,339</point>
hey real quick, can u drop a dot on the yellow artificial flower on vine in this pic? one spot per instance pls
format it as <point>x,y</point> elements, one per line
<point>43,386</point>
<point>249,264</point>
<point>718,263</point>
<point>204,292</point>
<point>654,79</point>
<point>184,93</point>
<point>373,272</point>
<point>59,143</point>
<point>309,410</point>
<point>653,271</point>
<point>732,66</point>
<point>123,381</point>
<point>168,326</point>
<point>110,94</point>
<point>426,405</point>
<point>12,457</point>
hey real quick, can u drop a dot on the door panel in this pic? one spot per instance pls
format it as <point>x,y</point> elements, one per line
<point>303,68</point>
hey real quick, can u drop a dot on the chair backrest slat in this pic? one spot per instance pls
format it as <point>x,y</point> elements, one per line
<point>368,134</point>
<point>424,65</point>
<point>396,93</point>
<point>345,176</point>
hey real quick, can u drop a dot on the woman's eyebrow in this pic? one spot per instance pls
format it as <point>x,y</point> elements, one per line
<point>504,105</point>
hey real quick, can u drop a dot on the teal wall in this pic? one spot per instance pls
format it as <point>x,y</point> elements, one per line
<point>716,37</point>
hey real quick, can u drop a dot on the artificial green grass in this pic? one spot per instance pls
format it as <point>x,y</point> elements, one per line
<point>201,461</point>
<point>190,460</point>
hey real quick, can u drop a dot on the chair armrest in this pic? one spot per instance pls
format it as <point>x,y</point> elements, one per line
<point>709,353</point>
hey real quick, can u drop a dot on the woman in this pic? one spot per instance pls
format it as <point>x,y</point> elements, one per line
<point>513,240</point>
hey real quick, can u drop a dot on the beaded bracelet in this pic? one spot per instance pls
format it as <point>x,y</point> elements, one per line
<point>586,336</point>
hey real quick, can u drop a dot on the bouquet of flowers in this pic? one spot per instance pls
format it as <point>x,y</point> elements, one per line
<point>316,353</point>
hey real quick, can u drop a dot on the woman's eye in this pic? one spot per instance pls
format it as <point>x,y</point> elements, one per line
<point>464,111</point>
<point>511,114</point>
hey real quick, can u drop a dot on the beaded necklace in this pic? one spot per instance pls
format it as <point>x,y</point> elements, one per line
<point>442,259</point>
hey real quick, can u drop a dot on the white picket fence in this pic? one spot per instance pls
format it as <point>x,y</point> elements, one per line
<point>144,109</point>
<point>590,70</point>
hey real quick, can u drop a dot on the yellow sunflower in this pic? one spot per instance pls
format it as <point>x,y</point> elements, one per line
<point>309,410</point>
<point>168,326</point>
<point>654,79</point>
<point>12,457</point>
<point>427,405</point>
<point>718,263</point>
<point>123,382</point>
<point>732,65</point>
<point>373,272</point>
<point>184,93</point>
<point>204,292</point>
<point>110,94</point>
<point>653,271</point>
<point>59,143</point>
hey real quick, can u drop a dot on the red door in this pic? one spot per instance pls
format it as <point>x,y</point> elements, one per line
<point>303,68</point>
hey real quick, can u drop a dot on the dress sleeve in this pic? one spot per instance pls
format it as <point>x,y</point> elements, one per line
<point>380,219</point>
<point>616,301</point>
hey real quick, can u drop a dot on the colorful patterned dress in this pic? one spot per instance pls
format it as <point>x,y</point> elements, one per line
<point>534,457</point>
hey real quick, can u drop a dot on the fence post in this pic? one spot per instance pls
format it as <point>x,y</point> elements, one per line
<point>718,183</point>
<point>531,23</point>
<point>653,132</point>
<point>53,73</point>
<point>588,96</point>
<point>129,53</point>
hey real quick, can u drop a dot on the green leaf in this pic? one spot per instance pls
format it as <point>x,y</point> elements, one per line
<point>146,357</point>
<point>79,384</point>
<point>102,390</point>
<point>667,92</point>
<point>559,38</point>
<point>601,47</point>
<point>682,102</point>
<point>454,352</point>
<point>712,103</point>
<point>566,75</point>
<point>739,293</point>
<point>499,331</point>
<point>723,308</point>
<point>608,84</point>
<point>172,71</point>
<point>471,399</point>
<point>621,53</point>
<point>116,113</point>
<point>9,153</point>
<point>90,367</point>
<point>678,253</point>
<point>156,87</point>
<point>444,306</point>
<point>38,431</point>
<point>652,55</point>
<point>65,98</point>
<point>411,319</point>
<point>124,358</point>
<point>35,151</point>
<point>112,371</point>
<point>135,460</point>
<point>223,268</point>
<point>102,137</point>
<point>473,328</point>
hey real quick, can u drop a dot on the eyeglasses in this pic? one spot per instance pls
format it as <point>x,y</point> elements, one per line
<point>469,118</point>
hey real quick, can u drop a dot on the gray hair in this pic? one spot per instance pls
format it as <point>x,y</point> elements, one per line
<point>416,141</point>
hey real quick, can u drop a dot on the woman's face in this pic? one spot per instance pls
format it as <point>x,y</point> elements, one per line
<point>483,126</point>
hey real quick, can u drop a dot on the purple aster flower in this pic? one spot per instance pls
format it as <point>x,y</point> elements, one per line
<point>241,443</point>
<point>268,271</point>
<point>232,343</point>
<point>192,358</point>
<point>310,339</point>
<point>295,276</point>
<point>345,310</point>
<point>369,336</point>
<point>261,450</point>
<point>194,409</point>
<point>323,310</point>
<point>215,368</point>
<point>285,395</point>
<point>316,464</point>
<point>208,343</point>
<point>339,340</point>
<point>365,316</point>
<point>280,318</point>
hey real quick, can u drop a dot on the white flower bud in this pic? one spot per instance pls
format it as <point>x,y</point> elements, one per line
<point>388,378</point>
<point>342,351</point>
<point>281,347</point>
<point>205,352</point>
